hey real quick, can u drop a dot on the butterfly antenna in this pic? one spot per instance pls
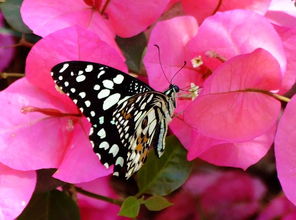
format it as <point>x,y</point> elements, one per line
<point>158,49</point>
<point>184,64</point>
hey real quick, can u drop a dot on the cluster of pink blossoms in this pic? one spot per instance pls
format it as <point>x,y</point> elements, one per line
<point>240,53</point>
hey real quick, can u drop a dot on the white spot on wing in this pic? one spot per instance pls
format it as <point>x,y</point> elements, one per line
<point>101,120</point>
<point>82,94</point>
<point>87,103</point>
<point>104,145</point>
<point>118,79</point>
<point>80,78</point>
<point>114,150</point>
<point>73,90</point>
<point>119,161</point>
<point>108,84</point>
<point>111,100</point>
<point>93,114</point>
<point>103,93</point>
<point>60,77</point>
<point>66,83</point>
<point>102,133</point>
<point>89,68</point>
<point>65,66</point>
<point>101,73</point>
<point>97,87</point>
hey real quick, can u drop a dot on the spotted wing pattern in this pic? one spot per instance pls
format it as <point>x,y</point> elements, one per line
<point>127,116</point>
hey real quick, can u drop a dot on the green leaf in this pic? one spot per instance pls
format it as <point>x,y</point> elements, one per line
<point>130,207</point>
<point>157,203</point>
<point>164,175</point>
<point>133,50</point>
<point>11,12</point>
<point>53,205</point>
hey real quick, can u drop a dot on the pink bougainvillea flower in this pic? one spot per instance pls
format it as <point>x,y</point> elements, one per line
<point>6,51</point>
<point>288,36</point>
<point>279,208</point>
<point>52,133</point>
<point>178,46</point>
<point>201,9</point>
<point>217,195</point>
<point>94,209</point>
<point>124,18</point>
<point>224,110</point>
<point>16,189</point>
<point>232,33</point>
<point>282,13</point>
<point>285,142</point>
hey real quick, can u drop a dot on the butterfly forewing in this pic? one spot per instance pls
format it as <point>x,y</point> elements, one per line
<point>127,116</point>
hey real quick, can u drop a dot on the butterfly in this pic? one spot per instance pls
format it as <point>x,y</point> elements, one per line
<point>127,115</point>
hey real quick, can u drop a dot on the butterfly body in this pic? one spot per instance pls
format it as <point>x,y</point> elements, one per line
<point>127,115</point>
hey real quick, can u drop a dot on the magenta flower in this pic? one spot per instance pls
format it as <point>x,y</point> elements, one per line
<point>217,195</point>
<point>201,9</point>
<point>282,13</point>
<point>285,142</point>
<point>221,126</point>
<point>46,126</point>
<point>16,189</point>
<point>6,49</point>
<point>279,208</point>
<point>124,18</point>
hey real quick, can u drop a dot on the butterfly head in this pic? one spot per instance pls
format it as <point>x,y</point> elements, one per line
<point>171,93</point>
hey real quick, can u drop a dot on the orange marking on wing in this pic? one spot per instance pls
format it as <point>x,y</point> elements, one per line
<point>126,115</point>
<point>139,147</point>
<point>144,155</point>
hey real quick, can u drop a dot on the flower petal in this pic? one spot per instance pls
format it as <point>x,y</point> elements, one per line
<point>32,135</point>
<point>232,33</point>
<point>16,189</point>
<point>177,31</point>
<point>241,155</point>
<point>285,153</point>
<point>226,111</point>
<point>47,16</point>
<point>80,164</point>
<point>131,20</point>
<point>201,9</point>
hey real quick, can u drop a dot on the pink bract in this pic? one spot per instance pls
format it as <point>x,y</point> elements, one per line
<point>288,36</point>
<point>232,33</point>
<point>201,9</point>
<point>173,52</point>
<point>224,110</point>
<point>282,13</point>
<point>46,140</point>
<point>285,143</point>
<point>52,141</point>
<point>16,189</point>
<point>279,208</point>
<point>124,18</point>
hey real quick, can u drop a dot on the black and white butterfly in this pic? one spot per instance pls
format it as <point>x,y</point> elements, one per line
<point>127,115</point>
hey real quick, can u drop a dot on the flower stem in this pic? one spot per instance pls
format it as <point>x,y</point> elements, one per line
<point>7,75</point>
<point>104,7</point>
<point>99,197</point>
<point>274,95</point>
